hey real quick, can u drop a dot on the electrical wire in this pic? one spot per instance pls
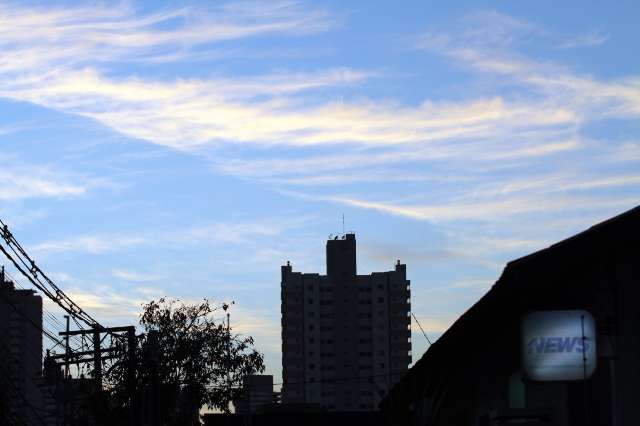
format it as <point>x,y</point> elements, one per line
<point>51,320</point>
<point>37,276</point>
<point>421,329</point>
<point>30,320</point>
<point>48,287</point>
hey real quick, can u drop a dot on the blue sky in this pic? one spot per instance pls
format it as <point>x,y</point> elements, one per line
<point>190,149</point>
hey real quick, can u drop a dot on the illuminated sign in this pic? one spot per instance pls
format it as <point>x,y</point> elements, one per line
<point>559,345</point>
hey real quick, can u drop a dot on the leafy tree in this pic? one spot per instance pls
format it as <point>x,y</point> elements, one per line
<point>198,360</point>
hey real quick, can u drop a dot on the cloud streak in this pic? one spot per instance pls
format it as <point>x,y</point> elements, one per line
<point>238,233</point>
<point>485,210</point>
<point>73,36</point>
<point>20,184</point>
<point>66,72</point>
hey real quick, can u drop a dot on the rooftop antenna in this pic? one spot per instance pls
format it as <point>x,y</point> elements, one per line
<point>342,223</point>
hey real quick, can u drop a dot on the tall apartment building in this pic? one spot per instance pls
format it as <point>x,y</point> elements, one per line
<point>345,337</point>
<point>20,352</point>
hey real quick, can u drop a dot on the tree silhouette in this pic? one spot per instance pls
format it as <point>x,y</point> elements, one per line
<point>198,360</point>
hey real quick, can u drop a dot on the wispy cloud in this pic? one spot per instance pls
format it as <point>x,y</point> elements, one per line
<point>482,210</point>
<point>188,113</point>
<point>72,36</point>
<point>92,244</point>
<point>66,73</point>
<point>107,304</point>
<point>134,276</point>
<point>213,233</point>
<point>585,40</point>
<point>23,183</point>
<point>627,151</point>
<point>585,95</point>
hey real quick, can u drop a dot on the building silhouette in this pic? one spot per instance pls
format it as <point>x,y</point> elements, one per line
<point>20,353</point>
<point>475,373</point>
<point>345,337</point>
<point>257,392</point>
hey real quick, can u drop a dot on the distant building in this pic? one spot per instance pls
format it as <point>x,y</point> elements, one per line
<point>476,372</point>
<point>345,337</point>
<point>20,353</point>
<point>257,392</point>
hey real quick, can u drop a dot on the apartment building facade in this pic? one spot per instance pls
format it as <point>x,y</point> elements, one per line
<point>345,337</point>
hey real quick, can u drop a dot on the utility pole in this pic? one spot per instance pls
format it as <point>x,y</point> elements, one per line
<point>97,355</point>
<point>225,307</point>
<point>97,361</point>
<point>131,375</point>
<point>66,349</point>
<point>153,367</point>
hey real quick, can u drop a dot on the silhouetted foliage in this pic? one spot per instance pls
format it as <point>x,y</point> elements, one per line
<point>199,362</point>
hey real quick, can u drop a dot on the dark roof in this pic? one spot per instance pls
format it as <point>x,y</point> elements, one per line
<point>508,297</point>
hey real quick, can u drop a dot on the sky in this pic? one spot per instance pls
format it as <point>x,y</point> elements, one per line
<point>188,149</point>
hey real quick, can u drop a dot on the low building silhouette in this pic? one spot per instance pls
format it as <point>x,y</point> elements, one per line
<point>257,392</point>
<point>473,374</point>
<point>345,337</point>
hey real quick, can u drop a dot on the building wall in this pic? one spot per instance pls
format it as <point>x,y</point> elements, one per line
<point>258,392</point>
<point>20,349</point>
<point>345,337</point>
<point>624,366</point>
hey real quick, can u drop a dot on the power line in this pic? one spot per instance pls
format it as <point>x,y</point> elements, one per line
<point>39,279</point>
<point>42,282</point>
<point>46,313</point>
<point>38,327</point>
<point>421,329</point>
